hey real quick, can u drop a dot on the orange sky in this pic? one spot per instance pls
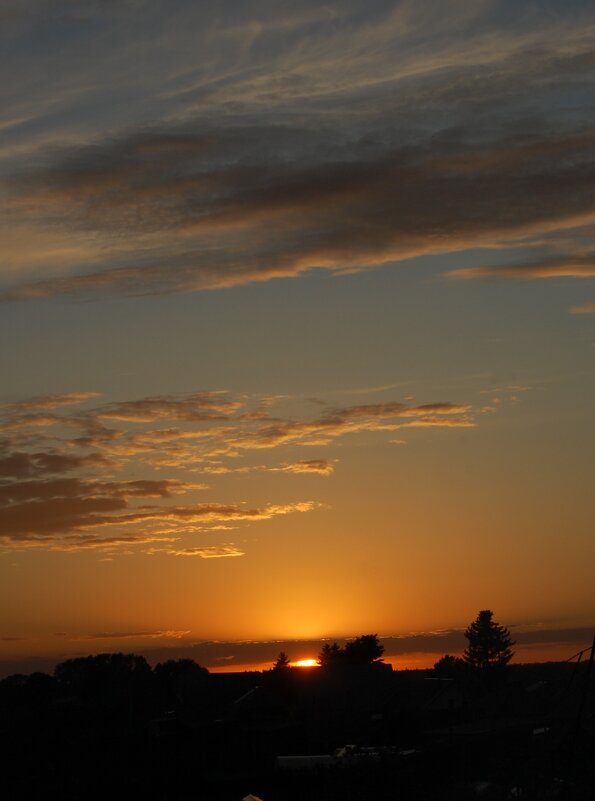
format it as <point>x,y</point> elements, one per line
<point>296,327</point>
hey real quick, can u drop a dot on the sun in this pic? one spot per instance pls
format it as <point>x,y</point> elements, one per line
<point>305,663</point>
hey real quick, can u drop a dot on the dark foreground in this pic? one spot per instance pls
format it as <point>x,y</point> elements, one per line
<point>115,729</point>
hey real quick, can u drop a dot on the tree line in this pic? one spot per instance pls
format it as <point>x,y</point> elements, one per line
<point>95,677</point>
<point>489,647</point>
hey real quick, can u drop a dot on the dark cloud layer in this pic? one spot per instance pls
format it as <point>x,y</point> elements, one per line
<point>224,225</point>
<point>177,644</point>
<point>281,155</point>
<point>27,465</point>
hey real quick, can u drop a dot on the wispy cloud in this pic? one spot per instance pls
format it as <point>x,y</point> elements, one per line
<point>208,552</point>
<point>57,518</point>
<point>573,267</point>
<point>52,401</point>
<point>200,406</point>
<point>371,206</point>
<point>431,421</point>
<point>18,464</point>
<point>272,156</point>
<point>124,635</point>
<point>323,467</point>
<point>585,308</point>
<point>74,492</point>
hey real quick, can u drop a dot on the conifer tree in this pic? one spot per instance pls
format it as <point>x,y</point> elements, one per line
<point>282,661</point>
<point>489,643</point>
<point>330,655</point>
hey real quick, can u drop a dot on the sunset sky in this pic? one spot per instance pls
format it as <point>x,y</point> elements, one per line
<point>296,326</point>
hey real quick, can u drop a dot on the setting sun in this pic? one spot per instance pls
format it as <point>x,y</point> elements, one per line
<point>305,663</point>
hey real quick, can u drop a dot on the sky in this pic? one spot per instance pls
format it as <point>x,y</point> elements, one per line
<point>296,327</point>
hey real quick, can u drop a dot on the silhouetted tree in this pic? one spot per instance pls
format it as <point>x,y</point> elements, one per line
<point>109,675</point>
<point>33,692</point>
<point>330,656</point>
<point>363,650</point>
<point>449,667</point>
<point>179,679</point>
<point>489,643</point>
<point>282,662</point>
<point>179,667</point>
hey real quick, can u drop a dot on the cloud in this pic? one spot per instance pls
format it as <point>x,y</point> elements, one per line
<point>513,389</point>
<point>206,438</point>
<point>89,542</point>
<point>28,491</point>
<point>585,308</point>
<point>323,467</point>
<point>440,422</point>
<point>28,421</point>
<point>52,401</point>
<point>64,515</point>
<point>78,493</point>
<point>206,552</point>
<point>273,155</point>
<point>571,267</point>
<point>120,635</point>
<point>402,410</point>
<point>28,465</point>
<point>174,644</point>
<point>368,207</point>
<point>349,420</point>
<point>196,407</point>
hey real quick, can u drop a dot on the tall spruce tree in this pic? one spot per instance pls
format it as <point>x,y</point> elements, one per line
<point>489,643</point>
<point>282,662</point>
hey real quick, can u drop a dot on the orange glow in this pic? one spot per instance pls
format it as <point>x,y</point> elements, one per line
<point>307,663</point>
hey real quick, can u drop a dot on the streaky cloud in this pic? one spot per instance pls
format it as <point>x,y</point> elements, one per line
<point>122,635</point>
<point>371,207</point>
<point>440,422</point>
<point>585,308</point>
<point>52,401</point>
<point>571,267</point>
<point>206,552</point>
<point>272,156</point>
<point>323,467</point>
